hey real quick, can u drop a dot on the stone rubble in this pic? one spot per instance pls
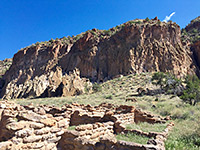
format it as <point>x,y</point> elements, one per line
<point>46,127</point>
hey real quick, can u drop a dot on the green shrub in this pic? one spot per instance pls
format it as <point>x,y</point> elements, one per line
<point>147,19</point>
<point>159,78</point>
<point>96,87</point>
<point>51,41</point>
<point>37,43</point>
<point>184,32</point>
<point>159,22</point>
<point>191,94</point>
<point>71,128</point>
<point>135,22</point>
<point>107,32</point>
<point>195,31</point>
<point>86,88</point>
<point>108,97</point>
<point>93,32</point>
<point>77,37</point>
<point>168,83</point>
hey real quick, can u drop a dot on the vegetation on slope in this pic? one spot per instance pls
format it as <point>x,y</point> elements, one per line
<point>4,66</point>
<point>185,134</point>
<point>102,34</point>
<point>143,126</point>
<point>147,127</point>
<point>192,31</point>
<point>132,137</point>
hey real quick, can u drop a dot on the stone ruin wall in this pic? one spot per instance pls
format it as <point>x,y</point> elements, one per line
<point>46,127</point>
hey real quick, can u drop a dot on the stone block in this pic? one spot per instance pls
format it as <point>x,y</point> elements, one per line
<point>42,131</point>
<point>48,122</point>
<point>36,125</point>
<point>24,132</point>
<point>32,139</point>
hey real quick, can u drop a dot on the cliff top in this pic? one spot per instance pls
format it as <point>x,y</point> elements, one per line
<point>103,34</point>
<point>192,30</point>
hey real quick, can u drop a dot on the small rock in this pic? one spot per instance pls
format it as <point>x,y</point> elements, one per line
<point>42,131</point>
<point>84,127</point>
<point>48,122</point>
<point>16,125</point>
<point>32,139</point>
<point>54,140</point>
<point>53,130</point>
<point>16,140</point>
<point>50,146</point>
<point>60,133</point>
<point>47,136</point>
<point>5,145</point>
<point>24,133</point>
<point>36,145</point>
<point>31,116</point>
<point>10,113</point>
<point>36,125</point>
<point>63,123</point>
<point>41,111</point>
<point>2,106</point>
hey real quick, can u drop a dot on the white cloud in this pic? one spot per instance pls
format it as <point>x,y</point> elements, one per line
<point>167,18</point>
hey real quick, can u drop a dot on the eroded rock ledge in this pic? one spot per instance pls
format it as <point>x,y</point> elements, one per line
<point>133,47</point>
<point>46,127</point>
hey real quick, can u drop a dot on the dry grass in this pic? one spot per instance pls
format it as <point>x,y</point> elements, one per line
<point>185,134</point>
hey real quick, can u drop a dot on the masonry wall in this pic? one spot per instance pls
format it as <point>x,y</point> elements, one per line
<point>85,136</point>
<point>46,127</point>
<point>25,129</point>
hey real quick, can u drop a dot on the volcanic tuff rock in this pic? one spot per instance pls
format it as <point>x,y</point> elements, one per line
<point>192,30</point>
<point>4,66</point>
<point>134,47</point>
<point>191,34</point>
<point>196,48</point>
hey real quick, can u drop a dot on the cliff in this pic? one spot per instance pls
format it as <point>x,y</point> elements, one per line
<point>57,68</point>
<point>192,30</point>
<point>4,66</point>
<point>191,36</point>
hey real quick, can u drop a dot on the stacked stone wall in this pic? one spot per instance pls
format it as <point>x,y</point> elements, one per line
<point>47,127</point>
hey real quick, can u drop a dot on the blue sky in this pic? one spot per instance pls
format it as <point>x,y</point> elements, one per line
<point>23,22</point>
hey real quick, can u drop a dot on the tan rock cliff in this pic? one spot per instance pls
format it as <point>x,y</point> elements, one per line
<point>134,47</point>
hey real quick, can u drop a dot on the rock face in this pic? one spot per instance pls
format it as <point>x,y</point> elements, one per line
<point>4,66</point>
<point>192,35</point>
<point>34,73</point>
<point>192,30</point>
<point>134,47</point>
<point>196,48</point>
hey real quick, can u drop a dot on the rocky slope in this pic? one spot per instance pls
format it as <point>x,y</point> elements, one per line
<point>4,66</point>
<point>191,36</point>
<point>137,46</point>
<point>192,30</point>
